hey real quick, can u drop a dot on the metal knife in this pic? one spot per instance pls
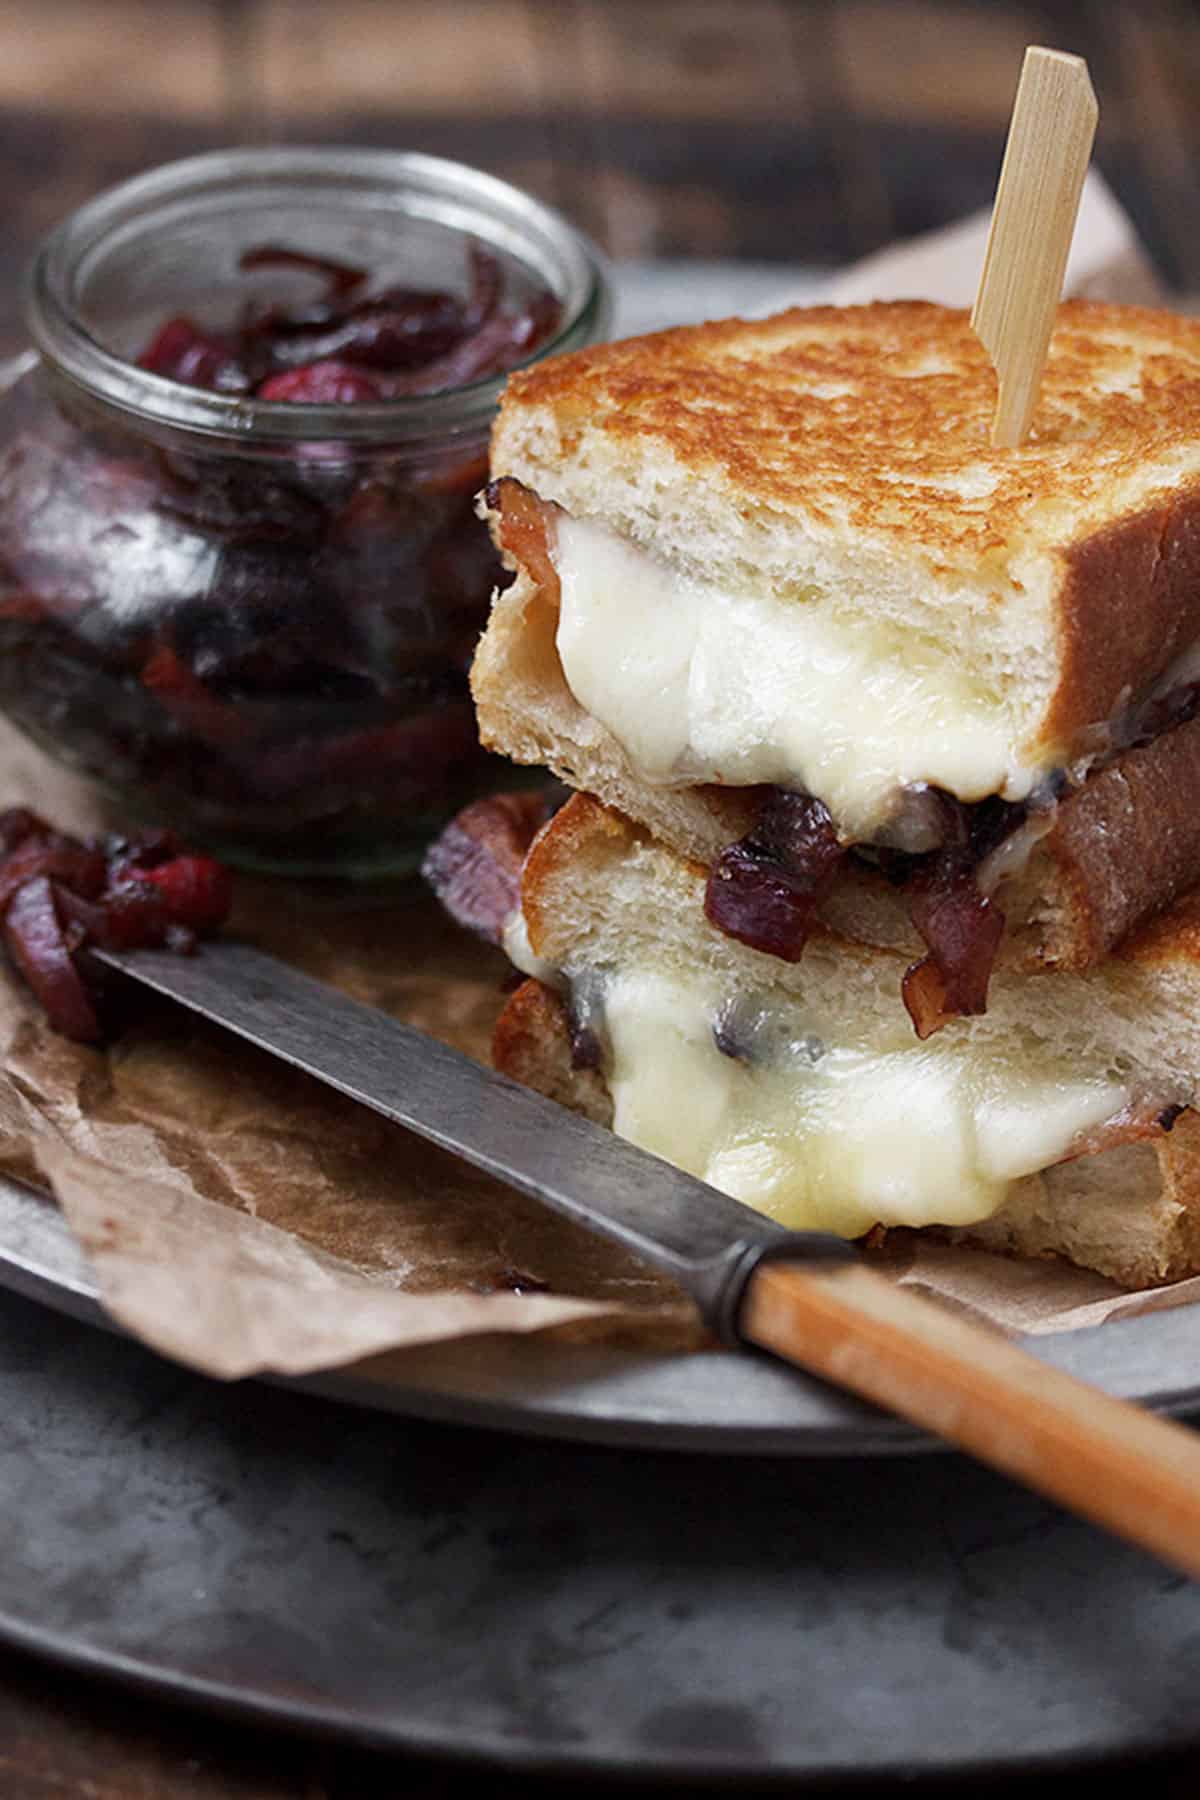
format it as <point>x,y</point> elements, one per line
<point>807,1297</point>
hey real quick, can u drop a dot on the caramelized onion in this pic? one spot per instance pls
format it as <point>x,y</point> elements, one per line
<point>58,894</point>
<point>35,941</point>
<point>765,889</point>
<point>474,867</point>
<point>349,347</point>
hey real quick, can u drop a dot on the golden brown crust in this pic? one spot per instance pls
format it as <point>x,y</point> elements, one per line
<point>532,1045</point>
<point>1128,605</point>
<point>1123,848</point>
<point>774,405</point>
<point>1172,937</point>
<point>581,827</point>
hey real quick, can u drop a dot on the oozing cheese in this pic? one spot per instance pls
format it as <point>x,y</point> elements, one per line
<point>698,685</point>
<point>928,1134</point>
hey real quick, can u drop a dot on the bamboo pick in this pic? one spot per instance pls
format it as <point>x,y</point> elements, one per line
<point>1033,219</point>
<point>1109,1461</point>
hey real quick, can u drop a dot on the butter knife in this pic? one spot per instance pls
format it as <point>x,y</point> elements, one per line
<point>807,1297</point>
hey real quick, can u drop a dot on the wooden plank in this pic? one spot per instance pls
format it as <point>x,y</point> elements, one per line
<point>90,94</point>
<point>689,59</point>
<point>106,59</point>
<point>1157,59</point>
<point>937,64</point>
<point>864,195</point>
<point>404,60</point>
<point>682,63</point>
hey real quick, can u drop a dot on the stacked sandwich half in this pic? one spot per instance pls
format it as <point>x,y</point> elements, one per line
<point>874,905</point>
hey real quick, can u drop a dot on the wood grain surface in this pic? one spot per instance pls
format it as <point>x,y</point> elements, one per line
<point>790,130</point>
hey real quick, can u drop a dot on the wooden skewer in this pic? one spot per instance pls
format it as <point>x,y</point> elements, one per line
<point>1111,1462</point>
<point>1045,161</point>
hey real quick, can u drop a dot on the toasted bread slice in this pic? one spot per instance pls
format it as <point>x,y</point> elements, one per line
<point>837,459</point>
<point>602,900</point>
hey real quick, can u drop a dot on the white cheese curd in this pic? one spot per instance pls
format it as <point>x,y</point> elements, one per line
<point>698,685</point>
<point>928,1134</point>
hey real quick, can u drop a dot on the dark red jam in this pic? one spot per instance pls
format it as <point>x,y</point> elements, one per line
<point>268,650</point>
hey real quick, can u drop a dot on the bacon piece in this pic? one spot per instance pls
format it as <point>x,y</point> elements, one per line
<point>195,891</point>
<point>1142,1119</point>
<point>475,866</point>
<point>963,929</point>
<point>525,528</point>
<point>765,889</point>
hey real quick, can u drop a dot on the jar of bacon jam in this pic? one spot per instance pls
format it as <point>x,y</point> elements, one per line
<point>241,572</point>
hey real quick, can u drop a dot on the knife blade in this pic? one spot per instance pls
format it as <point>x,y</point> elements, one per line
<point>816,1303</point>
<point>707,1242</point>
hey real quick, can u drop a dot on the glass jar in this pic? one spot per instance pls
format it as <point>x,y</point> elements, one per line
<point>252,620</point>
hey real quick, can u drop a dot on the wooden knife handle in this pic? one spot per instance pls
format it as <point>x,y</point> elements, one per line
<point>1110,1461</point>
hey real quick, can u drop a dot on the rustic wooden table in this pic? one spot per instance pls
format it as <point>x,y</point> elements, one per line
<point>792,130</point>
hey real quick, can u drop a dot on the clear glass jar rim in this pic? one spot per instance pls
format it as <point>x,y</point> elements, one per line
<point>71,348</point>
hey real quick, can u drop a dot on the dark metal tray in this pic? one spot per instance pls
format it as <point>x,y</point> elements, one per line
<point>564,1607</point>
<point>718,1402</point>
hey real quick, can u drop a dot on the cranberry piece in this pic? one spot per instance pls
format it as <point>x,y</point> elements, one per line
<point>327,383</point>
<point>196,891</point>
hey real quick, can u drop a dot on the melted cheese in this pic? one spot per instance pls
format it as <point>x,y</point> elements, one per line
<point>514,940</point>
<point>928,1134</point>
<point>698,685</point>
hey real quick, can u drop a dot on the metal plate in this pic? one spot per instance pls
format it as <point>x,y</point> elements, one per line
<point>562,1607</point>
<point>718,1402</point>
